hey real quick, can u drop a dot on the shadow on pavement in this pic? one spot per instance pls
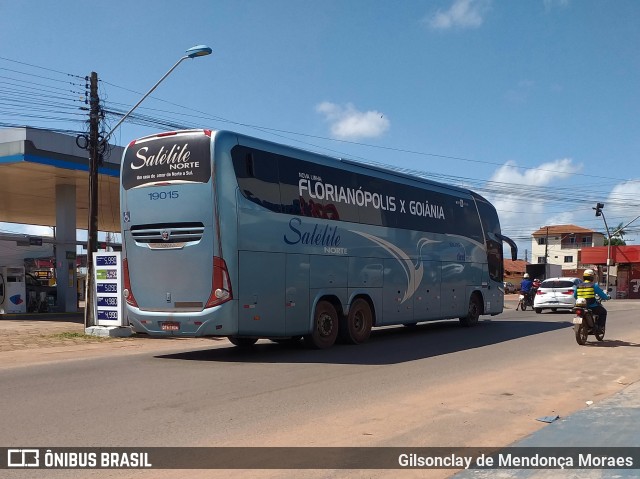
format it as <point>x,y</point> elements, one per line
<point>611,343</point>
<point>390,345</point>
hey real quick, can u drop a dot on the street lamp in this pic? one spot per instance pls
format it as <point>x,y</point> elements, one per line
<point>193,52</point>
<point>95,147</point>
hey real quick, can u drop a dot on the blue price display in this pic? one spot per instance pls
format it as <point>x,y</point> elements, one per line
<point>108,301</point>
<point>107,315</point>
<point>107,287</point>
<point>106,260</point>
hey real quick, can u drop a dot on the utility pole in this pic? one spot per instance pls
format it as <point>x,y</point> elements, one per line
<point>96,146</point>
<point>95,155</point>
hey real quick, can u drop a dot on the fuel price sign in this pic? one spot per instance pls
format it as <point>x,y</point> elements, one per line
<point>108,281</point>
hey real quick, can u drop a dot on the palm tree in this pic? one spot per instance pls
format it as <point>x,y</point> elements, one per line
<point>617,236</point>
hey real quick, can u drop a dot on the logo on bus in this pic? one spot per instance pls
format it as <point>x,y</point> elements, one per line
<point>165,235</point>
<point>314,235</point>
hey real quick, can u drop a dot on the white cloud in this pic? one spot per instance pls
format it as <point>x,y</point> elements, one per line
<point>519,196</point>
<point>461,14</point>
<point>622,199</point>
<point>551,4</point>
<point>516,193</point>
<point>540,176</point>
<point>346,122</point>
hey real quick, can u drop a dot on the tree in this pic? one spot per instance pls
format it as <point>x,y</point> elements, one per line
<point>617,236</point>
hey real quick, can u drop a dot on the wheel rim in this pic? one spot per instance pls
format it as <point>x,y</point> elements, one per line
<point>358,322</point>
<point>325,328</point>
<point>325,325</point>
<point>473,312</point>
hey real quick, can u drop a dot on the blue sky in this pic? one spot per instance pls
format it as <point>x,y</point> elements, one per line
<point>535,103</point>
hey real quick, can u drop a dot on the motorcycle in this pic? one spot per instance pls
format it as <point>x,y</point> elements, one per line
<point>525,300</point>
<point>584,324</point>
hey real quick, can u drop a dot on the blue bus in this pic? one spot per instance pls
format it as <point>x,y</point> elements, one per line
<point>228,235</point>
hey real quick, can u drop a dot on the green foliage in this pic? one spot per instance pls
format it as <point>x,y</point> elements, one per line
<point>617,236</point>
<point>615,242</point>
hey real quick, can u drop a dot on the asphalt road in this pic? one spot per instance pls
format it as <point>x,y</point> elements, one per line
<point>437,385</point>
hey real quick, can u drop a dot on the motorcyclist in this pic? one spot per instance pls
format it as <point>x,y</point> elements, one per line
<point>588,289</point>
<point>534,288</point>
<point>525,287</point>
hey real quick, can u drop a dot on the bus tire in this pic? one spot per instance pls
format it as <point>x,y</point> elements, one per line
<point>356,329</point>
<point>242,342</point>
<point>473,314</point>
<point>325,326</point>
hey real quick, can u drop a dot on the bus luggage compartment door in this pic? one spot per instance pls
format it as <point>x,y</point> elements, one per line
<point>398,292</point>
<point>297,295</point>
<point>262,294</point>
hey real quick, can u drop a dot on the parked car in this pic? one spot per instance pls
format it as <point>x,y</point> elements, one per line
<point>555,293</point>
<point>509,288</point>
<point>39,296</point>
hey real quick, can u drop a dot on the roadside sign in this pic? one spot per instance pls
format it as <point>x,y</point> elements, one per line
<point>108,283</point>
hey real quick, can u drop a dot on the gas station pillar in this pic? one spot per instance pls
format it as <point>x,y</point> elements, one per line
<point>66,275</point>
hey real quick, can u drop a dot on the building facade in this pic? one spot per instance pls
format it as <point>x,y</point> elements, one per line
<point>624,274</point>
<point>560,244</point>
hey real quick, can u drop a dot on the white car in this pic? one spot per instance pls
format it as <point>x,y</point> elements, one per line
<point>556,293</point>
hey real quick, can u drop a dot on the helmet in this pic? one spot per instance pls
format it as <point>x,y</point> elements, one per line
<point>588,274</point>
<point>526,276</point>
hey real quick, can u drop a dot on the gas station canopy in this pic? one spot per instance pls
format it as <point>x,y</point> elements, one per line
<point>35,163</point>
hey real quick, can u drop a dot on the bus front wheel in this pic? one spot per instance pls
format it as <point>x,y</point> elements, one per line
<point>473,314</point>
<point>325,326</point>
<point>357,327</point>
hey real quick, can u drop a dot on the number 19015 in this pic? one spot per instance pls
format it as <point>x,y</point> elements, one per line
<point>164,195</point>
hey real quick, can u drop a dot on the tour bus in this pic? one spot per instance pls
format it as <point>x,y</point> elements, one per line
<point>228,235</point>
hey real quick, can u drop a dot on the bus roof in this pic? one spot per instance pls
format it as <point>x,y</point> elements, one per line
<point>402,173</point>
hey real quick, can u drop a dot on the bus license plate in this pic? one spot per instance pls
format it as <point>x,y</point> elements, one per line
<point>170,326</point>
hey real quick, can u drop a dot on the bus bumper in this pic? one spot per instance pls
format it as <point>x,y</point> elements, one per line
<point>216,321</point>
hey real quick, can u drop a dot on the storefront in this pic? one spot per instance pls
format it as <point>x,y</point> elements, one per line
<point>625,267</point>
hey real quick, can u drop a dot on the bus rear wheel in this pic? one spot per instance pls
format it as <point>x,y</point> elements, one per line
<point>357,327</point>
<point>325,326</point>
<point>242,342</point>
<point>473,314</point>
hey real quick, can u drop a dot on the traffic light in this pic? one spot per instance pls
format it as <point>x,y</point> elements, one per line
<point>598,209</point>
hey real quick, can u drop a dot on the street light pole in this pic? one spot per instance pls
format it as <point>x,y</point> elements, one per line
<point>193,52</point>
<point>96,146</point>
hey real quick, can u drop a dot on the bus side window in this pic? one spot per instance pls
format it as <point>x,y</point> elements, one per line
<point>257,175</point>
